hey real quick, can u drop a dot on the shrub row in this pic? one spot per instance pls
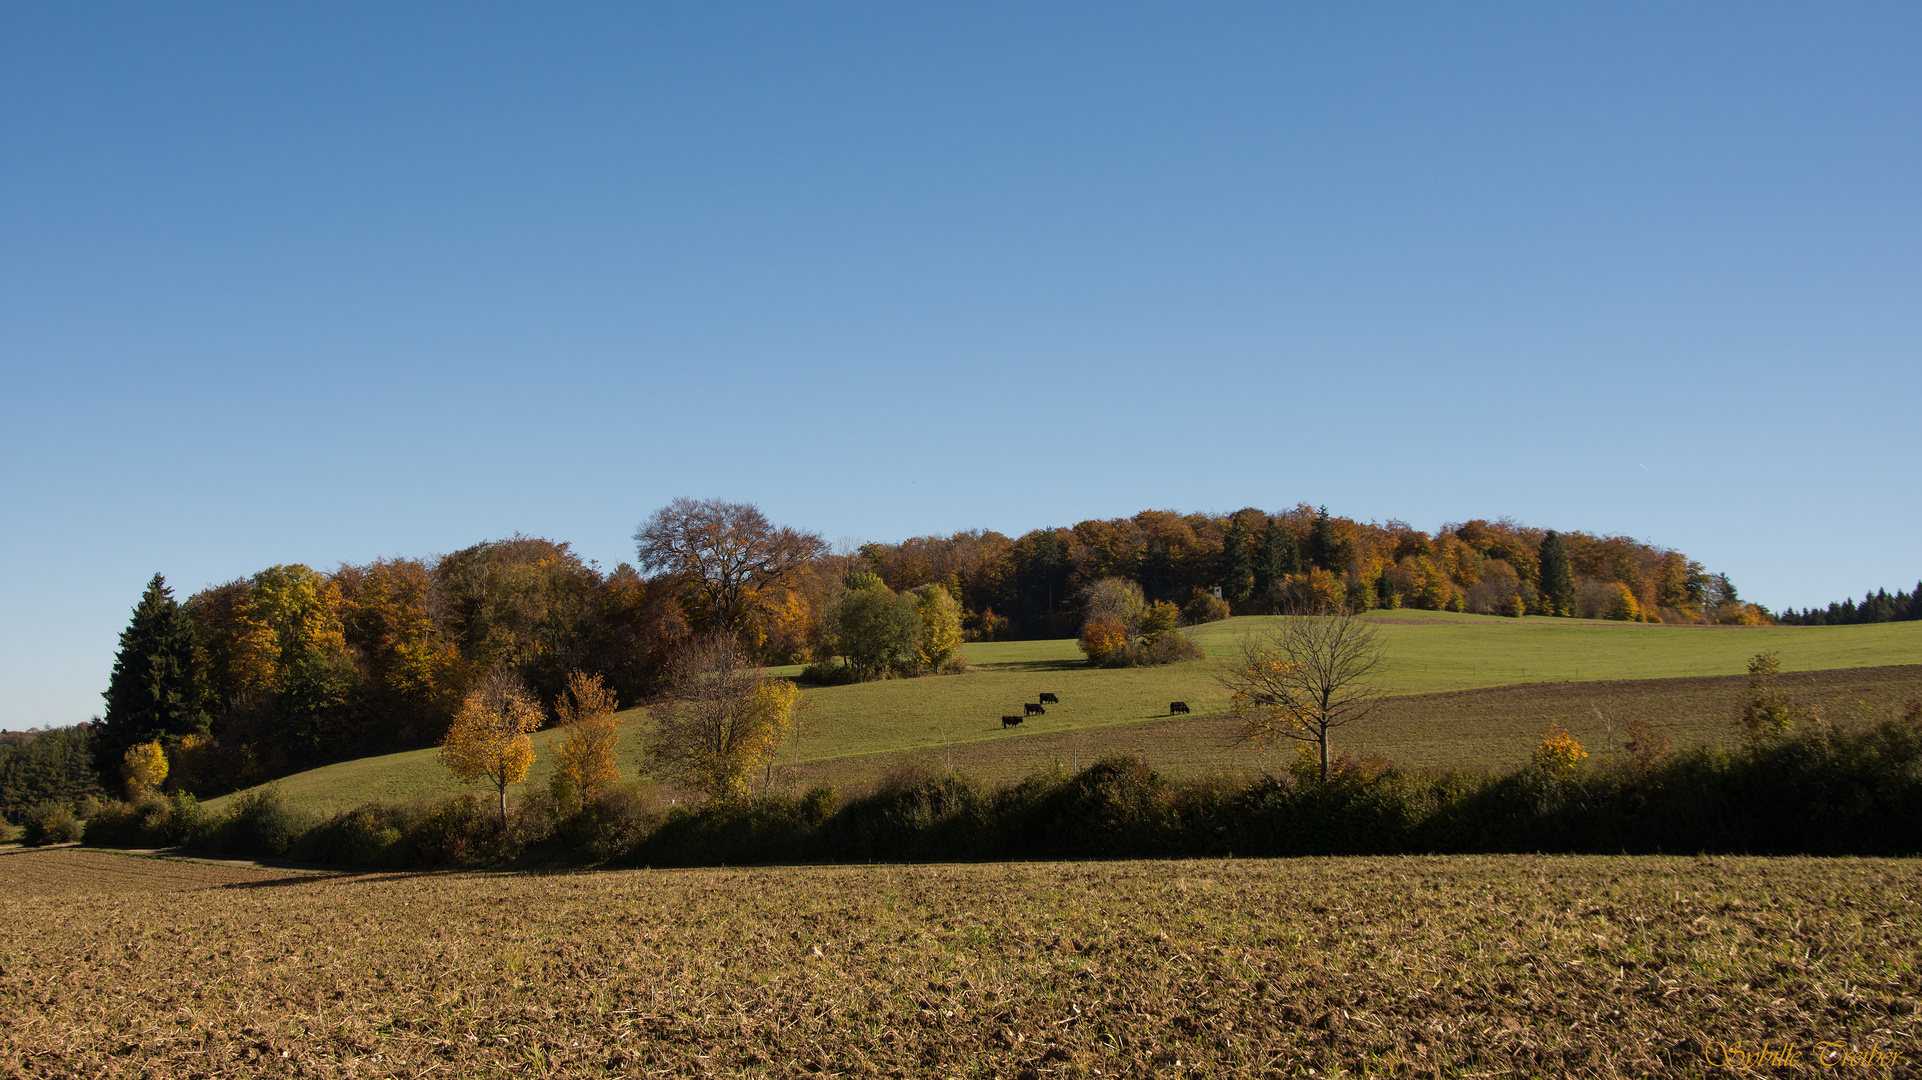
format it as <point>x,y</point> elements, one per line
<point>1819,793</point>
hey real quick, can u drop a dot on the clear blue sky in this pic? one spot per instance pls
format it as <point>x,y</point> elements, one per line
<point>318,283</point>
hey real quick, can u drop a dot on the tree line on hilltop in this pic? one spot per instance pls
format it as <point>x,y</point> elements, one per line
<point>1876,607</point>
<point>292,667</point>
<point>1306,558</point>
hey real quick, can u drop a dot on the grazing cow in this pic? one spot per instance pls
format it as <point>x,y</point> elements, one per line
<point>1050,699</point>
<point>1175,707</point>
<point>1031,709</point>
<point>1010,721</point>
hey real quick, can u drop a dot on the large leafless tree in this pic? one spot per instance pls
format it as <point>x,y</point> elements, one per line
<point>1302,680</point>
<point>725,553</point>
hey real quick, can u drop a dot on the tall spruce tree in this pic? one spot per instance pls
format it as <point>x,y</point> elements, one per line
<point>1235,571</point>
<point>155,691</point>
<point>1557,582</point>
<point>1324,547</point>
<point>1276,558</point>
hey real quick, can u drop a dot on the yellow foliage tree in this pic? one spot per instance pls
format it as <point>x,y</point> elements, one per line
<point>1559,753</point>
<point>940,626</point>
<point>489,736</point>
<point>1161,618</point>
<point>720,718</point>
<point>584,762</point>
<point>1622,606</point>
<point>302,608</point>
<point>144,768</point>
<point>191,763</point>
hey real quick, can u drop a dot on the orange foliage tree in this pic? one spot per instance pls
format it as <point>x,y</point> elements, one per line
<point>1102,637</point>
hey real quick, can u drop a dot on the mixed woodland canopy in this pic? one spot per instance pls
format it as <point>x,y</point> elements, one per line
<point>293,666</point>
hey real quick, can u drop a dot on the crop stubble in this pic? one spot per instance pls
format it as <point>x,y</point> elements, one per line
<point>1423,966</point>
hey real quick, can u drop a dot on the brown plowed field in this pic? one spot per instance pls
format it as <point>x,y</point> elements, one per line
<point>29,873</point>
<point>1495,727</point>
<point>1519,966</point>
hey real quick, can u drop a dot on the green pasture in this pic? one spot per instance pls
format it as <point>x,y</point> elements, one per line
<point>1424,653</point>
<point>1428,651</point>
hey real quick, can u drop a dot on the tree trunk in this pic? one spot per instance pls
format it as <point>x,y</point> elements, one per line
<point>1324,757</point>
<point>503,790</point>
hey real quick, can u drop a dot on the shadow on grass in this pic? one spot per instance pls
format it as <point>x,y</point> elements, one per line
<point>1032,665</point>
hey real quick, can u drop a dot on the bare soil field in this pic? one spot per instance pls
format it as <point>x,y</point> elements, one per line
<point>1522,966</point>
<point>1489,728</point>
<point>31,874</point>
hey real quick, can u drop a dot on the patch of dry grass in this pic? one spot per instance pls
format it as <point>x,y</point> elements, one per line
<point>1426,966</point>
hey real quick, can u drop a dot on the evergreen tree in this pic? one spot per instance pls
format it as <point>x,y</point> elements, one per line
<point>52,766</point>
<point>1557,582</point>
<point>1325,549</point>
<point>1277,557</point>
<point>154,692</point>
<point>1235,571</point>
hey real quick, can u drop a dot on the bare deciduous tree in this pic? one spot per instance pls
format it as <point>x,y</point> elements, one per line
<point>1302,680</point>
<point>725,552</point>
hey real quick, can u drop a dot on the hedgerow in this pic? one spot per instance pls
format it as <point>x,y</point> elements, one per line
<point>1819,792</point>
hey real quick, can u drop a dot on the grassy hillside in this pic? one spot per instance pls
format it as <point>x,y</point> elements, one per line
<point>1489,727</point>
<point>860,729</point>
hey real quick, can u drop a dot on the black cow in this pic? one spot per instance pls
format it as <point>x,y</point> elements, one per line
<point>1010,721</point>
<point>1050,699</point>
<point>1175,707</point>
<point>1031,709</point>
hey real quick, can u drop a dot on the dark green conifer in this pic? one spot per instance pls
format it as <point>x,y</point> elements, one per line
<point>155,689</point>
<point>1235,570</point>
<point>1325,549</point>
<point>1276,558</point>
<point>1557,581</point>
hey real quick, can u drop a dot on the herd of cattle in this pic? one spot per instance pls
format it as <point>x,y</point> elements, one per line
<point>1039,708</point>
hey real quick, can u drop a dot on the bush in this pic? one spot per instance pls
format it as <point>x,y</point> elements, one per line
<point>9,832</point>
<point>49,823</point>
<point>1559,754</point>
<point>458,831</point>
<point>366,836</point>
<point>1105,646</point>
<point>615,823</point>
<point>258,824</point>
<point>827,673</point>
<point>1204,607</point>
<point>916,812</point>
<point>1168,649</point>
<point>149,821</point>
<point>1855,789</point>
